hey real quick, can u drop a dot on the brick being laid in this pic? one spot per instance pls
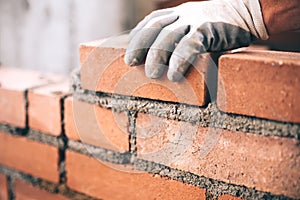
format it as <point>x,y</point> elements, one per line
<point>103,70</point>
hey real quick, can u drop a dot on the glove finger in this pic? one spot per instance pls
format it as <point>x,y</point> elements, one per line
<point>185,55</point>
<point>141,42</point>
<point>160,52</point>
<point>147,19</point>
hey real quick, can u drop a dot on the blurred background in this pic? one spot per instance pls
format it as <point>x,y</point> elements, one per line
<point>45,34</point>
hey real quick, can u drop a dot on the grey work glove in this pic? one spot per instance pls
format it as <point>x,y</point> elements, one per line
<point>174,37</point>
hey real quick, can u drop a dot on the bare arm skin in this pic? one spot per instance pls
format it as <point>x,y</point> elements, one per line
<point>281,15</point>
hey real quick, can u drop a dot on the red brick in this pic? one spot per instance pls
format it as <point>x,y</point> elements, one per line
<point>13,110</point>
<point>161,140</point>
<point>90,176</point>
<point>228,197</point>
<point>263,84</point>
<point>3,187</point>
<point>25,191</point>
<point>103,69</point>
<point>31,157</point>
<point>13,83</point>
<point>96,125</point>
<point>267,163</point>
<point>70,126</point>
<point>44,108</point>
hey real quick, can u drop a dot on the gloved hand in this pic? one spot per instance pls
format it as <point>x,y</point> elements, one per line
<point>176,36</point>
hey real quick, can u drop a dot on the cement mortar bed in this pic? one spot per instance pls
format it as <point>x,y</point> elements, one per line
<point>214,187</point>
<point>210,116</point>
<point>31,134</point>
<point>41,184</point>
<point>99,153</point>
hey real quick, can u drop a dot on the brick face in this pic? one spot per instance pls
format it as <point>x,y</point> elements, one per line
<point>25,191</point>
<point>263,84</point>
<point>228,197</point>
<point>3,187</point>
<point>233,157</point>
<point>31,157</point>
<point>98,126</point>
<point>13,101</point>
<point>44,108</point>
<point>70,125</point>
<point>162,140</point>
<point>115,77</point>
<point>13,83</point>
<point>91,177</point>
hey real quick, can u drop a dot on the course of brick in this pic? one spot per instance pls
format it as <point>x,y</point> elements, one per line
<point>30,158</point>
<point>260,84</point>
<point>24,190</point>
<point>118,135</point>
<point>117,184</point>
<point>15,83</point>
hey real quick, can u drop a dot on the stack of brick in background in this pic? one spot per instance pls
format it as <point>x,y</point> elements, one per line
<point>120,135</point>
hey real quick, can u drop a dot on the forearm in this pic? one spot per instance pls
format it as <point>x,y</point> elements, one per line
<point>281,15</point>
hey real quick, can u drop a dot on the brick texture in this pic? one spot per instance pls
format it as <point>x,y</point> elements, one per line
<point>31,157</point>
<point>267,163</point>
<point>103,69</point>
<point>263,84</point>
<point>44,108</point>
<point>96,125</point>
<point>25,191</point>
<point>13,84</point>
<point>112,184</point>
<point>3,187</point>
<point>70,126</point>
<point>228,197</point>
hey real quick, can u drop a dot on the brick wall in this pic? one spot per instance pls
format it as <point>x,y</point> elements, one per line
<point>226,132</point>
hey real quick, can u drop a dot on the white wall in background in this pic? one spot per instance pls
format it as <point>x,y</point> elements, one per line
<point>45,34</point>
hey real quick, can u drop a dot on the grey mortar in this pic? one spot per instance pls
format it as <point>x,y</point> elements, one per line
<point>132,132</point>
<point>30,134</point>
<point>13,130</point>
<point>214,188</point>
<point>99,153</point>
<point>42,184</point>
<point>44,138</point>
<point>10,188</point>
<point>63,143</point>
<point>209,116</point>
